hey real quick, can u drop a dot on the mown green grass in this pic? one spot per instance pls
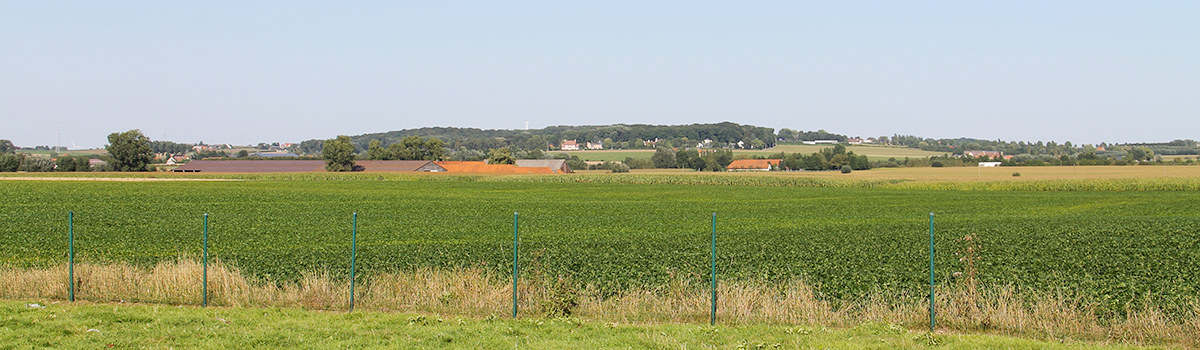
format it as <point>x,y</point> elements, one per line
<point>64,325</point>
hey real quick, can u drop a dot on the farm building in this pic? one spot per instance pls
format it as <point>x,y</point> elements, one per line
<point>303,166</point>
<point>399,166</point>
<point>754,164</point>
<point>252,166</point>
<point>569,145</point>
<point>989,164</point>
<point>558,166</point>
<point>481,167</point>
<point>977,154</point>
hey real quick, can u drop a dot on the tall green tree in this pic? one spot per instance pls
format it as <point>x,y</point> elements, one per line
<point>375,151</point>
<point>663,158</point>
<point>66,162</point>
<point>501,156</point>
<point>130,150</point>
<point>7,147</point>
<point>338,154</point>
<point>11,162</point>
<point>436,149</point>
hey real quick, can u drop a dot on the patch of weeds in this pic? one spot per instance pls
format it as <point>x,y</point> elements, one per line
<point>562,298</point>
<point>418,320</point>
<point>743,344</point>
<point>798,331</point>
<point>928,339</point>
<point>447,298</point>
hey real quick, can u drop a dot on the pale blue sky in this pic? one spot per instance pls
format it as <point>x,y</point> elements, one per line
<point>222,72</point>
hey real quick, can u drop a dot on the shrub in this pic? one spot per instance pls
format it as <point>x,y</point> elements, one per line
<point>846,169</point>
<point>1016,174</point>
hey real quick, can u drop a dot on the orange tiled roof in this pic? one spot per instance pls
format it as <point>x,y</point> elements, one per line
<point>754,163</point>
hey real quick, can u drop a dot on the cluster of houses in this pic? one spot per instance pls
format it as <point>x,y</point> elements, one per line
<point>573,145</point>
<point>522,166</point>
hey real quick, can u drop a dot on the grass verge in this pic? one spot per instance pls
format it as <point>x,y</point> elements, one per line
<point>42,324</point>
<point>746,311</point>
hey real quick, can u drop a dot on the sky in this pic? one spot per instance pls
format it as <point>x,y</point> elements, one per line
<point>247,72</point>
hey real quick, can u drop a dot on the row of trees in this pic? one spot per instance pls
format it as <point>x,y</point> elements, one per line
<point>1127,152</point>
<point>127,151</point>
<point>835,158</point>
<point>723,135</point>
<point>717,160</point>
<point>409,148</point>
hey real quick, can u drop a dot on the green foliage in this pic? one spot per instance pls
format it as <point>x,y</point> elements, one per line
<point>846,169</point>
<point>375,151</point>
<point>575,163</point>
<point>663,158</point>
<point>6,147</point>
<point>243,154</point>
<point>501,156</point>
<point>11,162</point>
<point>169,147</point>
<point>134,325</point>
<point>409,148</point>
<point>619,136</point>
<point>67,162</point>
<point>634,163</point>
<point>211,153</point>
<point>33,164</point>
<point>641,230</point>
<point>338,154</point>
<point>130,151</point>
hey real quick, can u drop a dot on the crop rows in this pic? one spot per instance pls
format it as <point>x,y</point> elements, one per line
<point>1113,247</point>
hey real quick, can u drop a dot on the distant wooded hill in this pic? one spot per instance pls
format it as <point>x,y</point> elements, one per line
<point>620,136</point>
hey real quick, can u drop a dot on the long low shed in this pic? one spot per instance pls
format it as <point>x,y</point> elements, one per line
<point>303,166</point>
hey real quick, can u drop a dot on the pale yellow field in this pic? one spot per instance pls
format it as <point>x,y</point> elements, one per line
<point>968,174</point>
<point>872,151</point>
<point>1006,173</point>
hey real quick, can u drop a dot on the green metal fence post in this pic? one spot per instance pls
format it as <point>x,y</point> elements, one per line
<point>932,323</point>
<point>71,254</point>
<point>515,247</point>
<point>713,315</point>
<point>353,252</point>
<point>205,259</point>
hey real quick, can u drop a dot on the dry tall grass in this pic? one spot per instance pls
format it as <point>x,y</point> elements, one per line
<point>472,292</point>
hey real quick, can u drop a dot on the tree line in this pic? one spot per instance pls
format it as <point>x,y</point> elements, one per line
<point>620,136</point>
<point>127,151</point>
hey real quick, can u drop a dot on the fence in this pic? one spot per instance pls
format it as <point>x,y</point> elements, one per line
<point>1117,261</point>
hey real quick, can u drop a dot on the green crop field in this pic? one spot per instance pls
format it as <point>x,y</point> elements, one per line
<point>1115,247</point>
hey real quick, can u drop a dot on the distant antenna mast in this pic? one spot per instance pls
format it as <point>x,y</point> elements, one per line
<point>164,135</point>
<point>526,125</point>
<point>57,136</point>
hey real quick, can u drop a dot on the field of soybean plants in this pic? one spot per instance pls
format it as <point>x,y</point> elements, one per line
<point>1115,247</point>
